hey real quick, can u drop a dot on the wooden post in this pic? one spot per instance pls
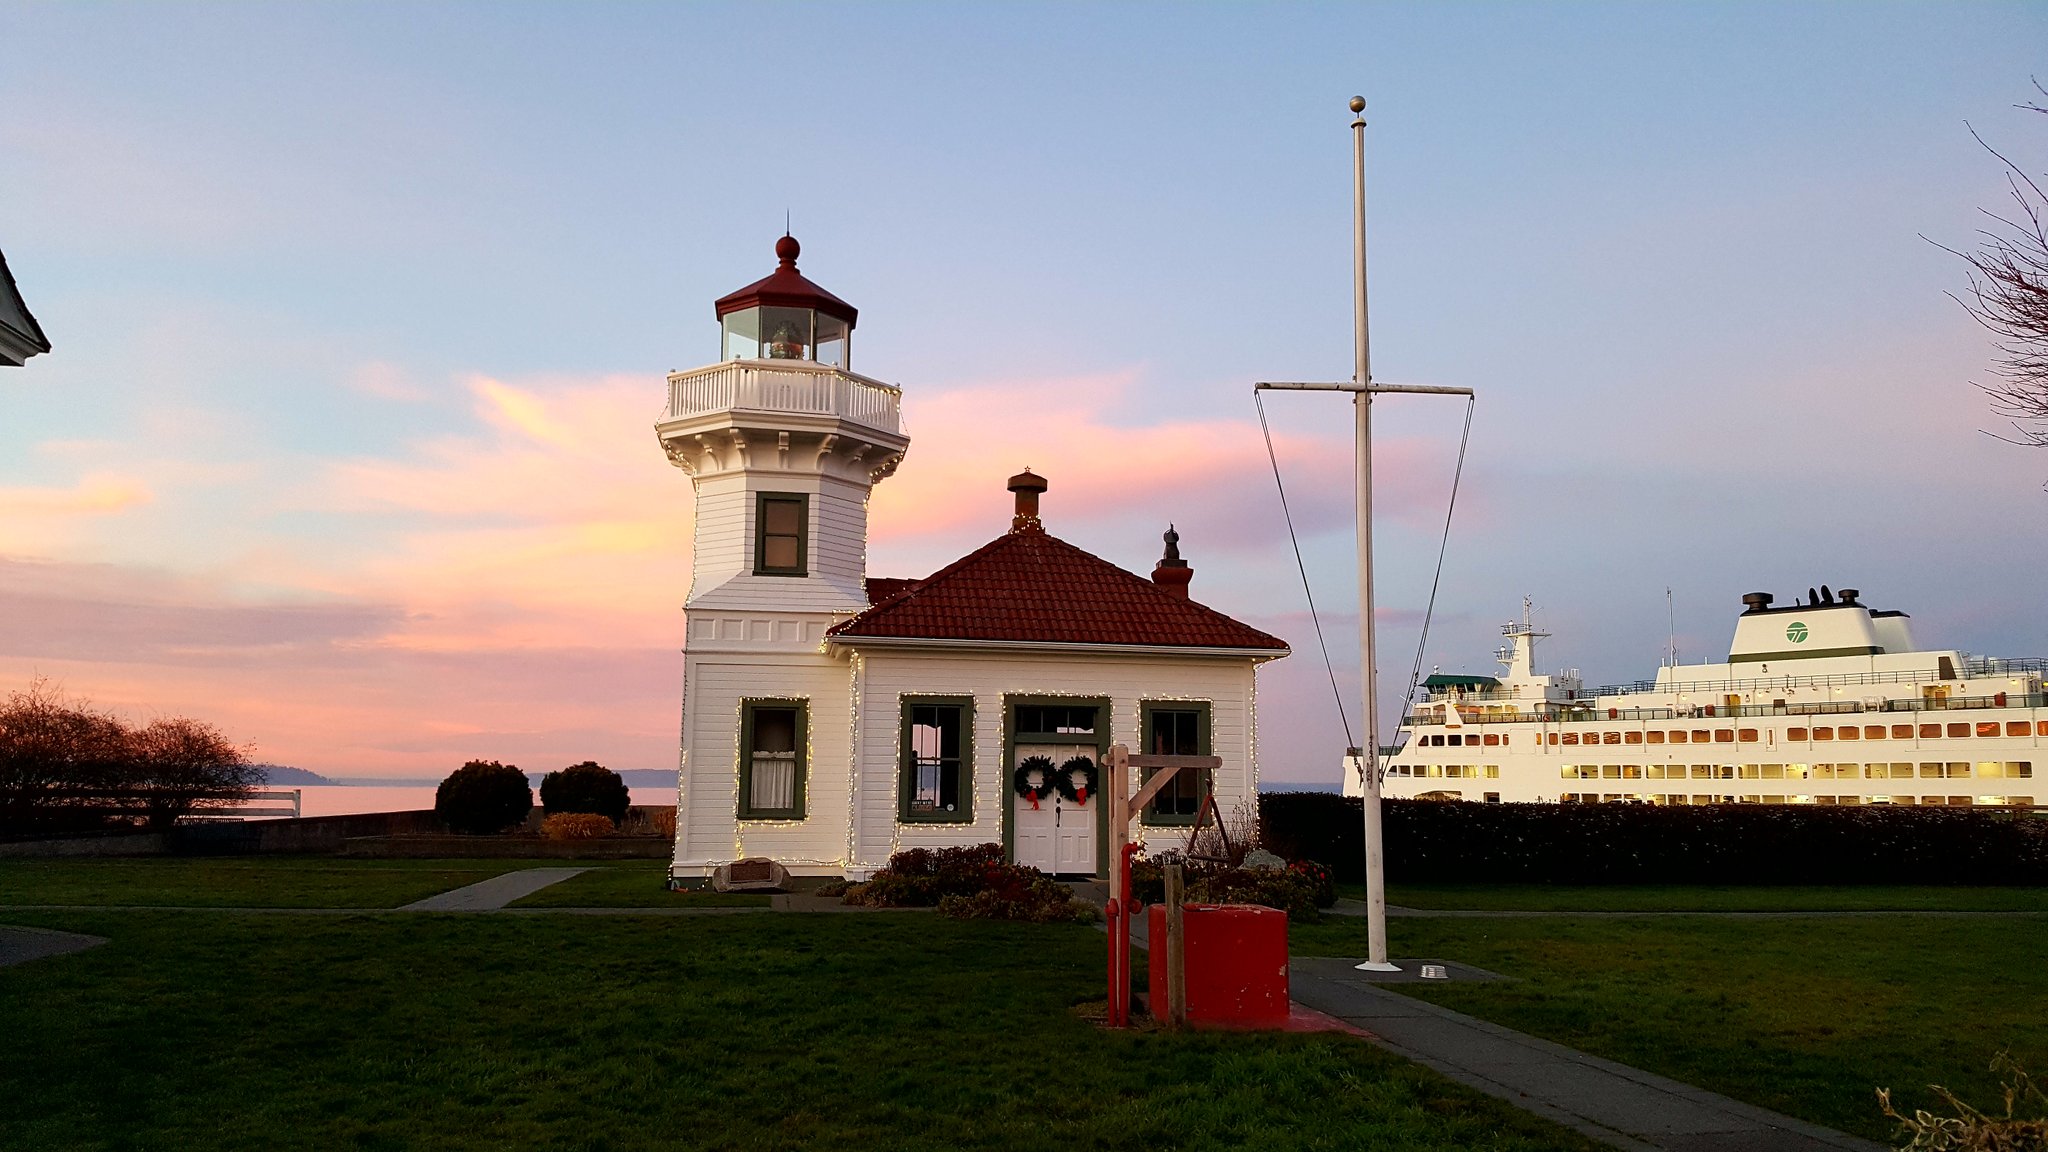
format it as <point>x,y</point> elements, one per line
<point>1176,952</point>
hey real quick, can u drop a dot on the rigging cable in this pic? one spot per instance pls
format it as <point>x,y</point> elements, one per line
<point>1336,693</point>
<point>1429,613</point>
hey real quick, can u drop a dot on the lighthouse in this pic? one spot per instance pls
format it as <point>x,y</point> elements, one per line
<point>783,442</point>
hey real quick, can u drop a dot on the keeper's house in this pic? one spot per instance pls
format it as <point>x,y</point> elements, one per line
<point>830,718</point>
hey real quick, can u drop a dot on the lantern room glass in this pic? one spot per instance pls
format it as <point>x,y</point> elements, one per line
<point>787,334</point>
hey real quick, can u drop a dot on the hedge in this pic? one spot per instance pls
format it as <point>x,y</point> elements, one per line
<point>1451,842</point>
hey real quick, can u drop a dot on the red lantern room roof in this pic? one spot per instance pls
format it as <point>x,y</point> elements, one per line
<point>786,288</point>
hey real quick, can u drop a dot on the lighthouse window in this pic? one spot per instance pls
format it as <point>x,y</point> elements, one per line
<point>779,522</point>
<point>937,761</point>
<point>772,740</point>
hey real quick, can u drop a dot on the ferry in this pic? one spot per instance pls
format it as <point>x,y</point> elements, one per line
<point>1823,701</point>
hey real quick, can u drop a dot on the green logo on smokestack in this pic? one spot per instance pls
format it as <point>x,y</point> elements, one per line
<point>1796,632</point>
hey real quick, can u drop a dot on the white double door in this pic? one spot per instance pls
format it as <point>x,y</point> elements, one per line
<point>1057,837</point>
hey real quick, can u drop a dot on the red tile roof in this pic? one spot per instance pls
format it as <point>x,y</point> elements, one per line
<point>1026,586</point>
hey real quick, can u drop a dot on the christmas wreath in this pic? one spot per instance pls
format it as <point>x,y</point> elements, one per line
<point>1022,780</point>
<point>1064,779</point>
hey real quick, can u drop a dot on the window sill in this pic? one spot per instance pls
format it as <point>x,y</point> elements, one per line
<point>947,818</point>
<point>1166,822</point>
<point>771,817</point>
<point>792,574</point>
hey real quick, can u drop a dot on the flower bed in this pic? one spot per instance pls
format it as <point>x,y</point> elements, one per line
<point>969,883</point>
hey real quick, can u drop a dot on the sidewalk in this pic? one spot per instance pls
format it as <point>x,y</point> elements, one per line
<point>1613,1103</point>
<point>495,893</point>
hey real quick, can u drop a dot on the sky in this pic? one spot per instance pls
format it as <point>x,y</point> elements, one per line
<point>361,315</point>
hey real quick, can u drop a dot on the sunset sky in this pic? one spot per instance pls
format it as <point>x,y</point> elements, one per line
<point>361,315</point>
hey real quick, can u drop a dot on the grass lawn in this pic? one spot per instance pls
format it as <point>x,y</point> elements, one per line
<point>243,881</point>
<point>213,1030</point>
<point>1803,1016</point>
<point>631,885</point>
<point>1684,898</point>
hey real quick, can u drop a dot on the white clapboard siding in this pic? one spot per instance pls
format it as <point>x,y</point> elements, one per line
<point>887,676</point>
<point>708,829</point>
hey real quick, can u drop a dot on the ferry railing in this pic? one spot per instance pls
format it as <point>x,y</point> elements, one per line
<point>1726,712</point>
<point>1972,669</point>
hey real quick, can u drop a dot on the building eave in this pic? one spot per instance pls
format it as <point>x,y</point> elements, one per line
<point>922,643</point>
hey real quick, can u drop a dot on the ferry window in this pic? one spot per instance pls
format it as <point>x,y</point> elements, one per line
<point>2016,728</point>
<point>1493,771</point>
<point>1632,738</point>
<point>1611,738</point>
<point>1850,732</point>
<point>1873,731</point>
<point>1774,771</point>
<point>1959,729</point>
<point>1677,737</point>
<point>2020,769</point>
<point>1700,736</point>
<point>1656,737</point>
<point>1571,737</point>
<point>1553,739</point>
<point>1611,771</point>
<point>1747,736</point>
<point>1724,735</point>
<point>1751,772</point>
<point>1493,798</point>
<point>1902,731</point>
<point>1724,771</point>
<point>1632,771</point>
<point>1987,728</point>
<point>1492,739</point>
<point>2041,728</point>
<point>1795,733</point>
<point>1958,771</point>
<point>1823,733</point>
<point>1654,771</point>
<point>1990,770</point>
<point>1930,731</point>
<point>1930,771</point>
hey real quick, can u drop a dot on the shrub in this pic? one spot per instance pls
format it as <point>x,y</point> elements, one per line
<point>1438,842</point>
<point>586,787</point>
<point>1291,891</point>
<point>1973,1130</point>
<point>577,826</point>
<point>482,797</point>
<point>969,883</point>
<point>663,821</point>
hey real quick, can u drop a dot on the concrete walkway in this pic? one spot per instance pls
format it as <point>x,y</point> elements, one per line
<point>1346,906</point>
<point>19,945</point>
<point>1618,1105</point>
<point>493,894</point>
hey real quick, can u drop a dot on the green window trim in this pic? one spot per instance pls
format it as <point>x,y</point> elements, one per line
<point>748,708</point>
<point>906,791</point>
<point>762,502</point>
<point>1204,742</point>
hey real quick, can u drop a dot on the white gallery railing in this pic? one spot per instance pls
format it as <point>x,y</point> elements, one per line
<point>785,386</point>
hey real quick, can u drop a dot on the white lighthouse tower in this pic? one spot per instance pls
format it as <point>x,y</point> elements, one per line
<point>783,442</point>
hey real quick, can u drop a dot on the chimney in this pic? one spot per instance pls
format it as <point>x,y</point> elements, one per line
<point>1173,573</point>
<point>1027,487</point>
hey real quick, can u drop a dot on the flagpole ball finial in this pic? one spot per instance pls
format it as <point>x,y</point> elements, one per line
<point>1358,104</point>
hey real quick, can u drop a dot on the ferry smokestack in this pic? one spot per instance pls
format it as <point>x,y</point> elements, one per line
<point>1757,601</point>
<point>1849,596</point>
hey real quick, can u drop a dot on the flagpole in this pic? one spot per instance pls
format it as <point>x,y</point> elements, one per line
<point>1375,854</point>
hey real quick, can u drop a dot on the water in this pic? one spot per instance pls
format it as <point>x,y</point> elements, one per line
<point>345,800</point>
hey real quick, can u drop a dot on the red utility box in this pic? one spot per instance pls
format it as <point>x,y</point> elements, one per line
<point>1236,959</point>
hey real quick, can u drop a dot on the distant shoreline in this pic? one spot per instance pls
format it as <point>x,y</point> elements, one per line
<point>283,776</point>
